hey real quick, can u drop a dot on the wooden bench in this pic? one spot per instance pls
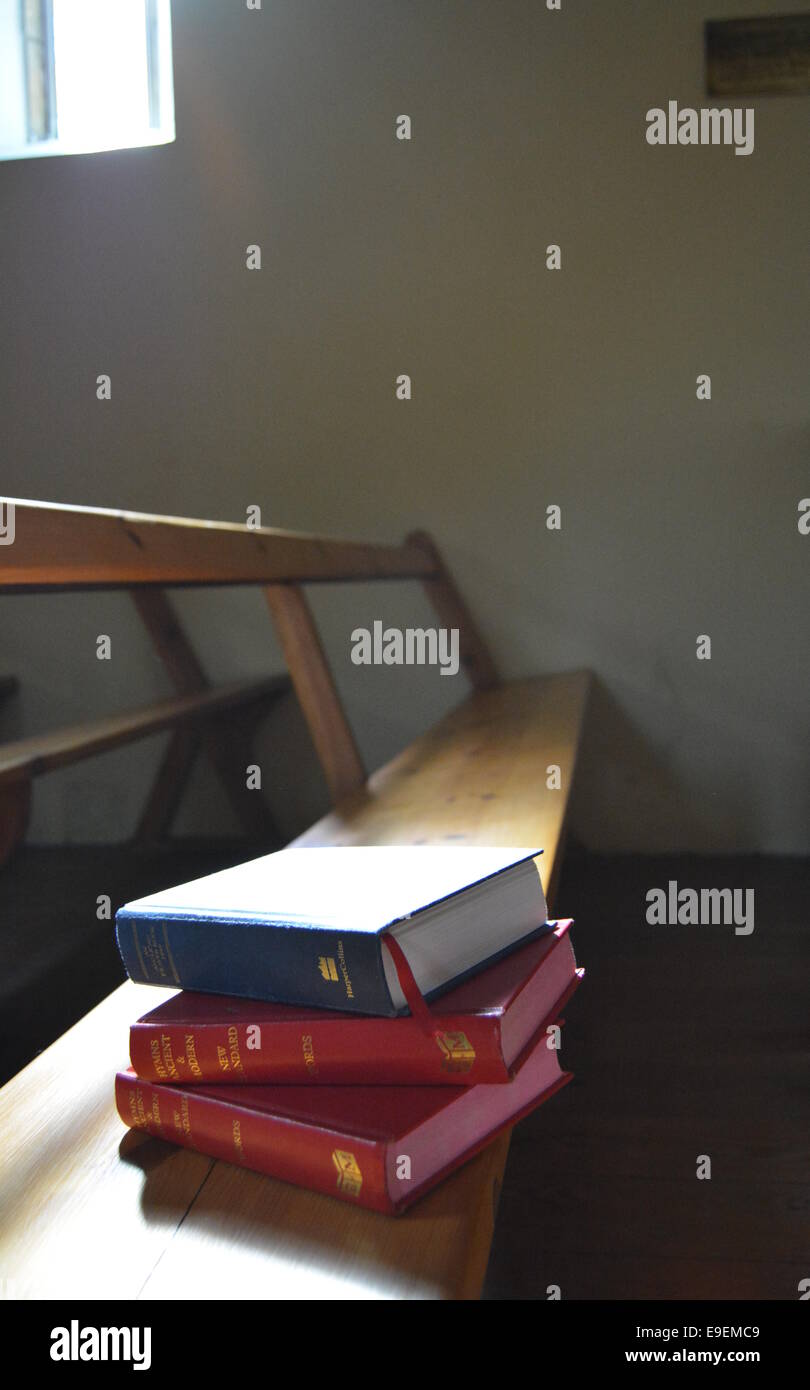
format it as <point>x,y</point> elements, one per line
<point>91,1210</point>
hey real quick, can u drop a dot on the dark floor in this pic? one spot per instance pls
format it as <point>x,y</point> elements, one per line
<point>58,958</point>
<point>685,1041</point>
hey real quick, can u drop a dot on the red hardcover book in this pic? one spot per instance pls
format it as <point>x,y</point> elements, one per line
<point>375,1146</point>
<point>479,1032</point>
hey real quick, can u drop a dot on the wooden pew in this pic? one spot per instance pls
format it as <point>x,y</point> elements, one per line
<point>92,1210</point>
<point>58,548</point>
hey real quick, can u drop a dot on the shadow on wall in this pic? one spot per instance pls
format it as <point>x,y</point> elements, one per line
<point>623,778</point>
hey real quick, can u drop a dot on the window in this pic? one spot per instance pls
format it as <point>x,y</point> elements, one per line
<point>84,75</point>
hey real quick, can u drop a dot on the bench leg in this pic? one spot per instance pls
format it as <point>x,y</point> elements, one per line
<point>223,744</point>
<point>15,809</point>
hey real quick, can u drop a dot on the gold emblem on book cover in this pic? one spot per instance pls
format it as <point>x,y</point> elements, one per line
<point>458,1053</point>
<point>350,1179</point>
<point>327,967</point>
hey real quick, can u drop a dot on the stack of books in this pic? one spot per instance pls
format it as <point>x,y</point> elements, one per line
<point>359,1021</point>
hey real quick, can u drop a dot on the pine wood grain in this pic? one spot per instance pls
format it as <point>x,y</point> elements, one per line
<point>95,1211</point>
<point>477,778</point>
<point>90,547</point>
<point>316,690</point>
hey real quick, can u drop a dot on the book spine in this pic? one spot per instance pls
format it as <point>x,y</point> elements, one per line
<point>323,1160</point>
<point>462,1051</point>
<point>285,964</point>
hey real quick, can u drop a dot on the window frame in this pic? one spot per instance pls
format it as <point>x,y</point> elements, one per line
<point>159,128</point>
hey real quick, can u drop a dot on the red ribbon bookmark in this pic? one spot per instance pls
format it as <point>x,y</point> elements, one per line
<point>408,985</point>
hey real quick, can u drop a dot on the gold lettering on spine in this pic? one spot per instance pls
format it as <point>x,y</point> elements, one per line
<point>191,1054</point>
<point>349,1179</point>
<point>308,1048</point>
<point>185,1118</point>
<point>144,970</point>
<point>175,975</point>
<point>344,971</point>
<point>233,1045</point>
<point>157,1060</point>
<point>137,1109</point>
<point>153,957</point>
<point>168,1056</point>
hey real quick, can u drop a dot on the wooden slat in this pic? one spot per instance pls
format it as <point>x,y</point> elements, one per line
<point>316,690</point>
<point>453,612</point>
<point>168,786</point>
<point>183,1225</point>
<point>29,757</point>
<point>59,547</point>
<point>767,54</point>
<point>226,748</point>
<point>169,640</point>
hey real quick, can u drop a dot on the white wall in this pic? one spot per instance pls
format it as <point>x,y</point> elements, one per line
<point>531,387</point>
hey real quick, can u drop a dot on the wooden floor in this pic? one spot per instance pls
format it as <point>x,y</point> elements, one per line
<point>685,1040</point>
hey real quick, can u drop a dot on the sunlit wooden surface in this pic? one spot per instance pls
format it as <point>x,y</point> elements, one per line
<point>92,547</point>
<point>89,1209</point>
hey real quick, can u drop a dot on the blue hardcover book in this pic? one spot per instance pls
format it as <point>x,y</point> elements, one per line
<point>306,926</point>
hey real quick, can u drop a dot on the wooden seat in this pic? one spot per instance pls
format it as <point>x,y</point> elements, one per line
<point>93,1210</point>
<point>90,1208</point>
